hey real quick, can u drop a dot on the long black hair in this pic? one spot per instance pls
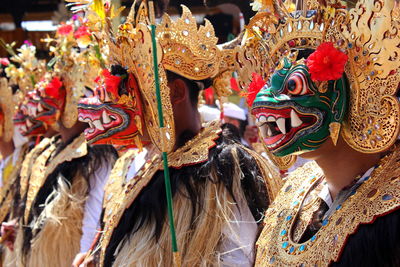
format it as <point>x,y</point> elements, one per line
<point>150,205</point>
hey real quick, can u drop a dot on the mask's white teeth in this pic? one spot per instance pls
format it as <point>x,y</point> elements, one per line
<point>271,119</point>
<point>23,128</point>
<point>98,125</point>
<point>281,125</point>
<point>295,121</point>
<point>106,97</point>
<point>263,131</point>
<point>91,125</point>
<point>29,123</point>
<point>40,108</point>
<point>105,117</point>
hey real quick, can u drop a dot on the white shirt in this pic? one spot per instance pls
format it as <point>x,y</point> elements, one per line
<point>93,207</point>
<point>239,237</point>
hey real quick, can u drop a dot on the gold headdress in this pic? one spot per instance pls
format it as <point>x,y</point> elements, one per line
<point>7,106</point>
<point>77,61</point>
<point>369,34</point>
<point>29,70</point>
<point>183,48</point>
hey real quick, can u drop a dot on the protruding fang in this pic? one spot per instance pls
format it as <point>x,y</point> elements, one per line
<point>281,125</point>
<point>91,125</point>
<point>265,131</point>
<point>269,131</point>
<point>98,125</point>
<point>295,121</point>
<point>105,117</point>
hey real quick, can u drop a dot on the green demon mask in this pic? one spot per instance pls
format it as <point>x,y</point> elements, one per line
<point>294,114</point>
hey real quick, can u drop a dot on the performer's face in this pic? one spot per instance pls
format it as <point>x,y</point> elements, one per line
<point>293,113</point>
<point>114,113</point>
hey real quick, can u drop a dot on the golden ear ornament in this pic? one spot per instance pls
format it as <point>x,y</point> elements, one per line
<point>73,82</point>
<point>8,107</point>
<point>334,129</point>
<point>369,34</point>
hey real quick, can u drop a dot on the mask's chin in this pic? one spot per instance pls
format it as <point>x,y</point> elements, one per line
<point>281,127</point>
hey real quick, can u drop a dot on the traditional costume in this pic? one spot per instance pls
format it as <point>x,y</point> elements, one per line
<point>214,178</point>
<point>62,178</point>
<point>332,72</point>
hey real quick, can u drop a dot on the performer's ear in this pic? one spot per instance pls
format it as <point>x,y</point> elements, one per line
<point>178,91</point>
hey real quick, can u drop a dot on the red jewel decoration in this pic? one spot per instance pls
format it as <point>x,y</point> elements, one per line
<point>326,63</point>
<point>292,43</point>
<point>255,86</point>
<point>64,29</point>
<point>111,82</point>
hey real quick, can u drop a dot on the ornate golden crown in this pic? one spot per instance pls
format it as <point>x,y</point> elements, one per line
<point>183,48</point>
<point>77,61</point>
<point>26,70</point>
<point>369,34</point>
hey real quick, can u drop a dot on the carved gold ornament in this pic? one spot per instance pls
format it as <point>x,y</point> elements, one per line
<point>43,167</point>
<point>288,217</point>
<point>7,108</point>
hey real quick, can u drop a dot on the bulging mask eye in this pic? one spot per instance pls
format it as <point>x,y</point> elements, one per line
<point>297,84</point>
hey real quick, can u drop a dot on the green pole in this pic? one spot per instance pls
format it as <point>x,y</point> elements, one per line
<point>164,153</point>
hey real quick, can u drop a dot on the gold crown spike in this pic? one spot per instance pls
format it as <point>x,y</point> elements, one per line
<point>189,51</point>
<point>369,34</point>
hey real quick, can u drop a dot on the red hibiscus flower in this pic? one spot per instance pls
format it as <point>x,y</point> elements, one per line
<point>81,31</point>
<point>255,86</point>
<point>53,89</point>
<point>326,63</point>
<point>111,82</point>
<point>65,29</point>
